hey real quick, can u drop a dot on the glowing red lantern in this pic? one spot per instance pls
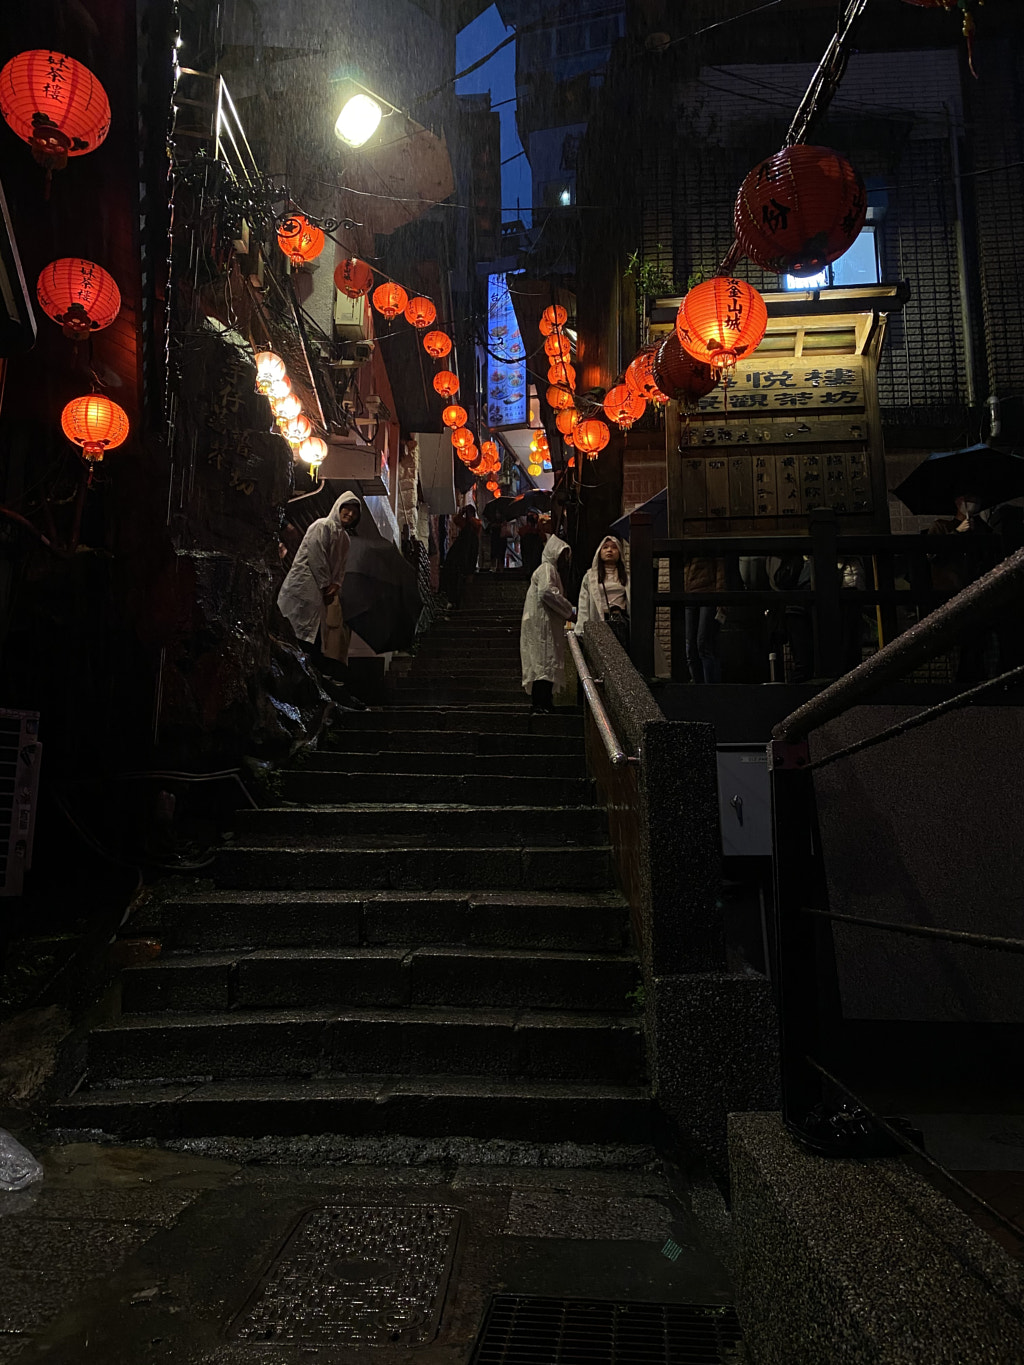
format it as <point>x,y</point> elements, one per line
<point>446,383</point>
<point>799,210</point>
<point>390,298</point>
<point>270,369</point>
<point>560,397</point>
<point>624,406</point>
<point>437,344</point>
<point>557,347</point>
<point>420,312</point>
<point>721,320</point>
<point>555,315</point>
<point>591,437</point>
<point>571,462</point>
<point>545,328</point>
<point>94,423</point>
<point>489,449</point>
<point>640,375</point>
<point>454,416</point>
<point>567,420</point>
<point>561,372</point>
<point>353,278</point>
<point>462,438</point>
<point>679,376</point>
<point>55,104</point>
<point>78,294</point>
<point>286,408</point>
<point>299,239</point>
<point>312,451</point>
<point>492,486</point>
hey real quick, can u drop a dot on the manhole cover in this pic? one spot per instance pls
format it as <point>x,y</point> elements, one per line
<point>349,1273</point>
<point>590,1332</point>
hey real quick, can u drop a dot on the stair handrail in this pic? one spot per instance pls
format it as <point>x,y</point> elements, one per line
<point>617,755</point>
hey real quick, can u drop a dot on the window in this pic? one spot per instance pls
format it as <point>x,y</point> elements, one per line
<point>859,265</point>
<point>565,198</point>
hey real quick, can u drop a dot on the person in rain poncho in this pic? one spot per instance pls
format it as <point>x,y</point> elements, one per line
<point>542,634</point>
<point>318,570</point>
<point>604,592</point>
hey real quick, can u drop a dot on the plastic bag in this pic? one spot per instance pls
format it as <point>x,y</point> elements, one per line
<point>18,1167</point>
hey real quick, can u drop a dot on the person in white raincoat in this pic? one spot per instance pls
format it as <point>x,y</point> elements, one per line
<point>318,571</point>
<point>542,634</point>
<point>604,592</point>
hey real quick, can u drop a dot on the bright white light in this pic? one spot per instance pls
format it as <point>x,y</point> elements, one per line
<point>565,198</point>
<point>358,121</point>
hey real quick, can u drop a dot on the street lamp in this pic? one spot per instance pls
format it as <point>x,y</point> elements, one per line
<point>358,121</point>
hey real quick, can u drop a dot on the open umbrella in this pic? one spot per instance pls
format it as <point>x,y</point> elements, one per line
<point>380,599</point>
<point>507,509</point>
<point>991,476</point>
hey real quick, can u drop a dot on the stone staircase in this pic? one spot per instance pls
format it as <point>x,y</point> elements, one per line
<point>422,939</point>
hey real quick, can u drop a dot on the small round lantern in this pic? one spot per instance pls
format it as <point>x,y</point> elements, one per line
<point>277,389</point>
<point>492,486</point>
<point>79,295</point>
<point>624,406</point>
<point>554,315</point>
<point>567,420</point>
<point>560,397</point>
<point>94,423</point>
<point>269,368</point>
<point>462,438</point>
<point>297,429</point>
<point>489,449</point>
<point>454,416</point>
<point>561,372</point>
<point>799,210</point>
<point>557,347</point>
<point>545,328</point>
<point>389,298</point>
<point>679,376</point>
<point>312,451</point>
<point>288,407</point>
<point>446,383</point>
<point>353,278</point>
<point>299,239</point>
<point>721,321</point>
<point>55,104</point>
<point>533,469</point>
<point>640,375</point>
<point>437,345</point>
<point>591,437</point>
<point>421,313</point>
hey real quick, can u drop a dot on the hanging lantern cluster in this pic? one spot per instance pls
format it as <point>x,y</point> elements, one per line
<point>540,455</point>
<point>292,423</point>
<point>55,104</point>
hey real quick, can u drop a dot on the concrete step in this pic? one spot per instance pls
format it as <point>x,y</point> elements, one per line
<point>441,766</point>
<point>531,749</point>
<point>416,1106</point>
<point>486,868</point>
<point>300,978</point>
<point>472,788</point>
<point>316,1043</point>
<point>510,720</point>
<point>211,920</point>
<point>404,826</point>
<point>427,693</point>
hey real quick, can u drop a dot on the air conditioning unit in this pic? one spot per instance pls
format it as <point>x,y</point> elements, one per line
<point>352,354</point>
<point>20,754</point>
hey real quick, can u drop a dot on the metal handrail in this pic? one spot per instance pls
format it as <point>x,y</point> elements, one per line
<point>617,755</point>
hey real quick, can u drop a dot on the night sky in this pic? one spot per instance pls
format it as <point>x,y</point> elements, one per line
<point>499,77</point>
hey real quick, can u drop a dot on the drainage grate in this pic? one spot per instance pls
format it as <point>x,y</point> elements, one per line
<point>528,1331</point>
<point>355,1273</point>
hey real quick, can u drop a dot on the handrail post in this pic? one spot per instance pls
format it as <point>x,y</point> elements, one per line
<point>641,593</point>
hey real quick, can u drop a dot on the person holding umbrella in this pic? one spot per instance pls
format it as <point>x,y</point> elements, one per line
<point>542,633</point>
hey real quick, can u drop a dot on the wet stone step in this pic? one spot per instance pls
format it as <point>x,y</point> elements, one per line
<point>495,742</point>
<point>376,977</point>
<point>212,920</point>
<point>441,766</point>
<point>473,788</point>
<point>307,1043</point>
<point>310,866</point>
<point>518,720</point>
<point>420,1106</point>
<point>401,826</point>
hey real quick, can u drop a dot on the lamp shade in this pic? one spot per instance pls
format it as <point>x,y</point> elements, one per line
<point>94,423</point>
<point>721,320</point>
<point>353,278</point>
<point>299,239</point>
<point>591,437</point>
<point>437,345</point>
<point>389,298</point>
<point>446,383</point>
<point>79,295</point>
<point>420,312</point>
<point>55,104</point>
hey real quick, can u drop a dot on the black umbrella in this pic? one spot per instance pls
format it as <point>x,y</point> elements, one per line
<point>508,509</point>
<point>991,476</point>
<point>380,599</point>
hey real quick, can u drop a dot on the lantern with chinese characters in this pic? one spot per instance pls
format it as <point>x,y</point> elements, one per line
<point>623,406</point>
<point>79,295</point>
<point>462,438</point>
<point>554,315</point>
<point>591,437</point>
<point>454,416</point>
<point>353,278</point>
<point>677,374</point>
<point>567,420</point>
<point>269,367</point>
<point>94,423</point>
<point>437,345</point>
<point>389,298</point>
<point>560,397</point>
<point>296,429</point>
<point>55,104</point>
<point>640,375</point>
<point>299,239</point>
<point>799,210</point>
<point>721,320</point>
<point>561,372</point>
<point>312,451</point>
<point>421,313</point>
<point>446,383</point>
<point>557,347</point>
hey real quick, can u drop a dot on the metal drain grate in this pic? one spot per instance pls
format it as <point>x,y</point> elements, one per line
<point>374,1274</point>
<point>519,1330</point>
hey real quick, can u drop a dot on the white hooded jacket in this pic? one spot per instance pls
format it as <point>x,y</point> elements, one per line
<point>594,601</point>
<point>542,634</point>
<point>319,561</point>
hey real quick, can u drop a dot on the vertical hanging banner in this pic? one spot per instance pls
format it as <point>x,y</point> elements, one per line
<point>506,361</point>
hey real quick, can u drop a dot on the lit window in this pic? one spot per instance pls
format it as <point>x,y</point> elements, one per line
<point>565,198</point>
<point>859,265</point>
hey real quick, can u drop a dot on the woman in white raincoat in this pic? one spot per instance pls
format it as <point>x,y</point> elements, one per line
<point>604,592</point>
<point>542,634</point>
<point>318,571</point>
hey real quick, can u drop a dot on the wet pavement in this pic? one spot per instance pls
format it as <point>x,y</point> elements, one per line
<point>128,1255</point>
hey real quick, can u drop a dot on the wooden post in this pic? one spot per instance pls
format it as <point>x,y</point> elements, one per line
<point>641,592</point>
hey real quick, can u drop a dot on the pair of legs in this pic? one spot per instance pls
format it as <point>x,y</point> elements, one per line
<point>701,635</point>
<point>335,672</point>
<point>542,695</point>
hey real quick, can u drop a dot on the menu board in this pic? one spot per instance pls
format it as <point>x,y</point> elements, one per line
<point>506,363</point>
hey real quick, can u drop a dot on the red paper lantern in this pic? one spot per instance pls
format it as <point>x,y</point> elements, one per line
<point>560,397</point>
<point>640,375</point>
<point>679,376</point>
<point>462,438</point>
<point>566,420</point>
<point>297,429</point>
<point>446,383</point>
<point>390,298</point>
<point>420,312</point>
<point>571,462</point>
<point>554,315</point>
<point>299,239</point>
<point>454,416</point>
<point>270,369</point>
<point>55,104</point>
<point>353,278</point>
<point>78,294</point>
<point>94,423</point>
<point>545,328</point>
<point>492,486</point>
<point>490,450</point>
<point>624,406</point>
<point>561,372</point>
<point>591,437</point>
<point>799,210</point>
<point>557,347</point>
<point>437,345</point>
<point>721,320</point>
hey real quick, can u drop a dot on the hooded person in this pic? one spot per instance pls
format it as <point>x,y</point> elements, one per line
<point>604,592</point>
<point>542,634</point>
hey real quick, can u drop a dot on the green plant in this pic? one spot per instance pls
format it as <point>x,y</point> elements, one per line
<point>650,279</point>
<point>637,1000</point>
